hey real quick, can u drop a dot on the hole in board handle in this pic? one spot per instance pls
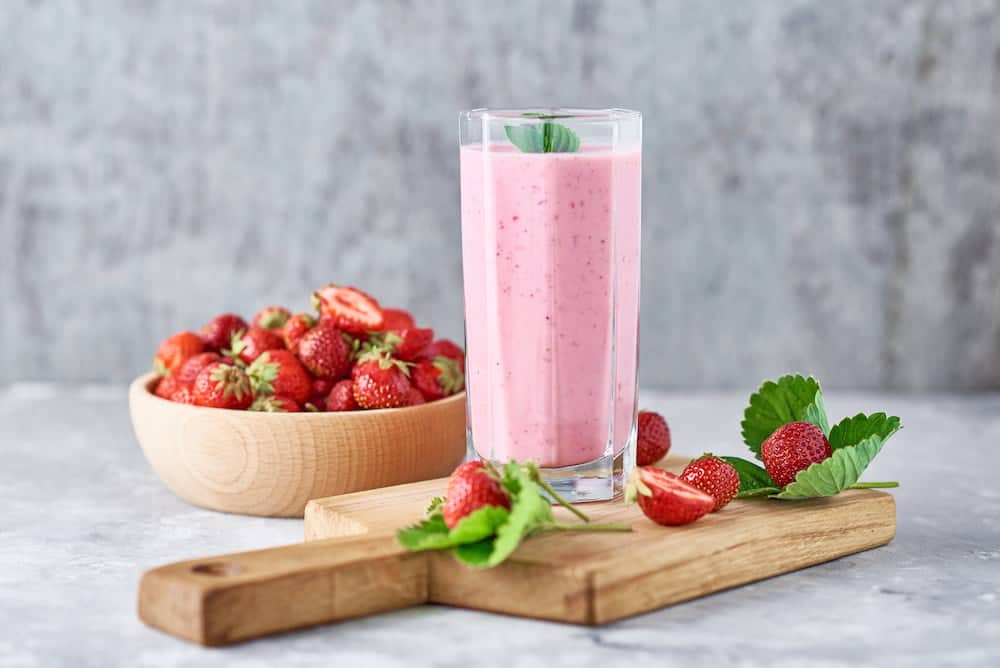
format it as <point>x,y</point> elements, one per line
<point>217,568</point>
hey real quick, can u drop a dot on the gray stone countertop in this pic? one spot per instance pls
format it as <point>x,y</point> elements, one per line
<point>83,516</point>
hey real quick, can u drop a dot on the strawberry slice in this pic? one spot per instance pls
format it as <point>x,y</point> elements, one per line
<point>350,309</point>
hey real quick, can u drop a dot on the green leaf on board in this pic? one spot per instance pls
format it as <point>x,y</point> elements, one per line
<point>849,460</point>
<point>752,476</point>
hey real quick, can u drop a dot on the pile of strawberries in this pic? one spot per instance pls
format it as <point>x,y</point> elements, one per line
<point>352,354</point>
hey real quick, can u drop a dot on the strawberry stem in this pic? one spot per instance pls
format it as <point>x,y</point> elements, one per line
<point>586,527</point>
<point>874,485</point>
<point>536,476</point>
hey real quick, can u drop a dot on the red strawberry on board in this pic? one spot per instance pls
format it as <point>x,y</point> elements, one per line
<point>221,385</point>
<point>349,309</point>
<point>249,345</point>
<point>792,448</point>
<point>271,317</point>
<point>445,348</point>
<point>325,352</point>
<point>183,395</point>
<point>653,442</point>
<point>469,489</point>
<point>341,398</point>
<point>437,379</point>
<point>166,387</point>
<point>218,333</point>
<point>295,328</point>
<point>193,366</point>
<point>275,403</point>
<point>175,350</point>
<point>716,477</point>
<point>381,382</point>
<point>665,498</point>
<point>281,373</point>
<point>396,319</point>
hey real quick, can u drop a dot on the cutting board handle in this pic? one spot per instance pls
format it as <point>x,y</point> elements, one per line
<point>229,598</point>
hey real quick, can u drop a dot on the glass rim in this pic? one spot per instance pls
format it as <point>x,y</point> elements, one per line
<point>550,113</point>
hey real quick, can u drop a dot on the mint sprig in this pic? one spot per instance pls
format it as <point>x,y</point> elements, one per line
<point>486,537</point>
<point>543,138</point>
<point>854,441</point>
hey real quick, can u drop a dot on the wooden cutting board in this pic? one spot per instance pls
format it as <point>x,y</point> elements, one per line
<point>351,565</point>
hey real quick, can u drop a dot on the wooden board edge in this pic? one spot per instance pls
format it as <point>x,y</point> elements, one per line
<point>661,585</point>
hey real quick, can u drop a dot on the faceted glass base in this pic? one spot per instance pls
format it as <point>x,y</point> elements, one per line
<point>597,480</point>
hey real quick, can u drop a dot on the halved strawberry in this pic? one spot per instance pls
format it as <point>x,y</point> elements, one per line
<point>665,498</point>
<point>349,309</point>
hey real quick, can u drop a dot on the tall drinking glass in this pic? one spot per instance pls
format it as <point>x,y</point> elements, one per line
<point>550,251</point>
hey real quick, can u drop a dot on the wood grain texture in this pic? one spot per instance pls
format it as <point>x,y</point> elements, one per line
<point>273,463</point>
<point>590,579</point>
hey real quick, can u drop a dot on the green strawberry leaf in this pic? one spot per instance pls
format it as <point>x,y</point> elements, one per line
<point>853,430</point>
<point>752,476</point>
<point>849,460</point>
<point>476,554</point>
<point>543,138</point>
<point>790,399</point>
<point>433,533</point>
<point>529,511</point>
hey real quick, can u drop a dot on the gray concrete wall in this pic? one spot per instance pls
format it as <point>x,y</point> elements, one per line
<point>822,179</point>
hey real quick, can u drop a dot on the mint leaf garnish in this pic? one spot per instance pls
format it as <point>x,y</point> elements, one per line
<point>487,536</point>
<point>791,399</point>
<point>543,138</point>
<point>849,459</point>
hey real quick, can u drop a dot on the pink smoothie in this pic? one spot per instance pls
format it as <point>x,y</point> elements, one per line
<point>550,247</point>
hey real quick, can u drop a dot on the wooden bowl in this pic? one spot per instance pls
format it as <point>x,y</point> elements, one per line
<point>273,463</point>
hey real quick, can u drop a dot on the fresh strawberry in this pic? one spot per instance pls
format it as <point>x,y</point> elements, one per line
<point>275,403</point>
<point>439,378</point>
<point>166,386</point>
<point>325,352</point>
<point>665,498</point>
<point>183,395</point>
<point>175,350</point>
<point>280,372</point>
<point>416,398</point>
<point>409,343</point>
<point>320,389</point>
<point>349,309</point>
<point>381,382</point>
<point>341,398</point>
<point>653,438</point>
<point>396,319</point>
<point>469,489</point>
<point>222,385</point>
<point>295,328</point>
<point>716,477</point>
<point>271,317</point>
<point>249,345</point>
<point>193,366</point>
<point>218,333</point>
<point>445,348</point>
<point>792,448</point>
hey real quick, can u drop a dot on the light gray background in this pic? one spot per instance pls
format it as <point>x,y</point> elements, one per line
<point>821,193</point>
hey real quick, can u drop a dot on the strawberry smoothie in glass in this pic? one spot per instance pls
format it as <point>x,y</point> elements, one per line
<point>550,248</point>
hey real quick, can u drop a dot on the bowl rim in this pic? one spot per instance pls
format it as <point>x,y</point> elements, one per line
<point>140,389</point>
